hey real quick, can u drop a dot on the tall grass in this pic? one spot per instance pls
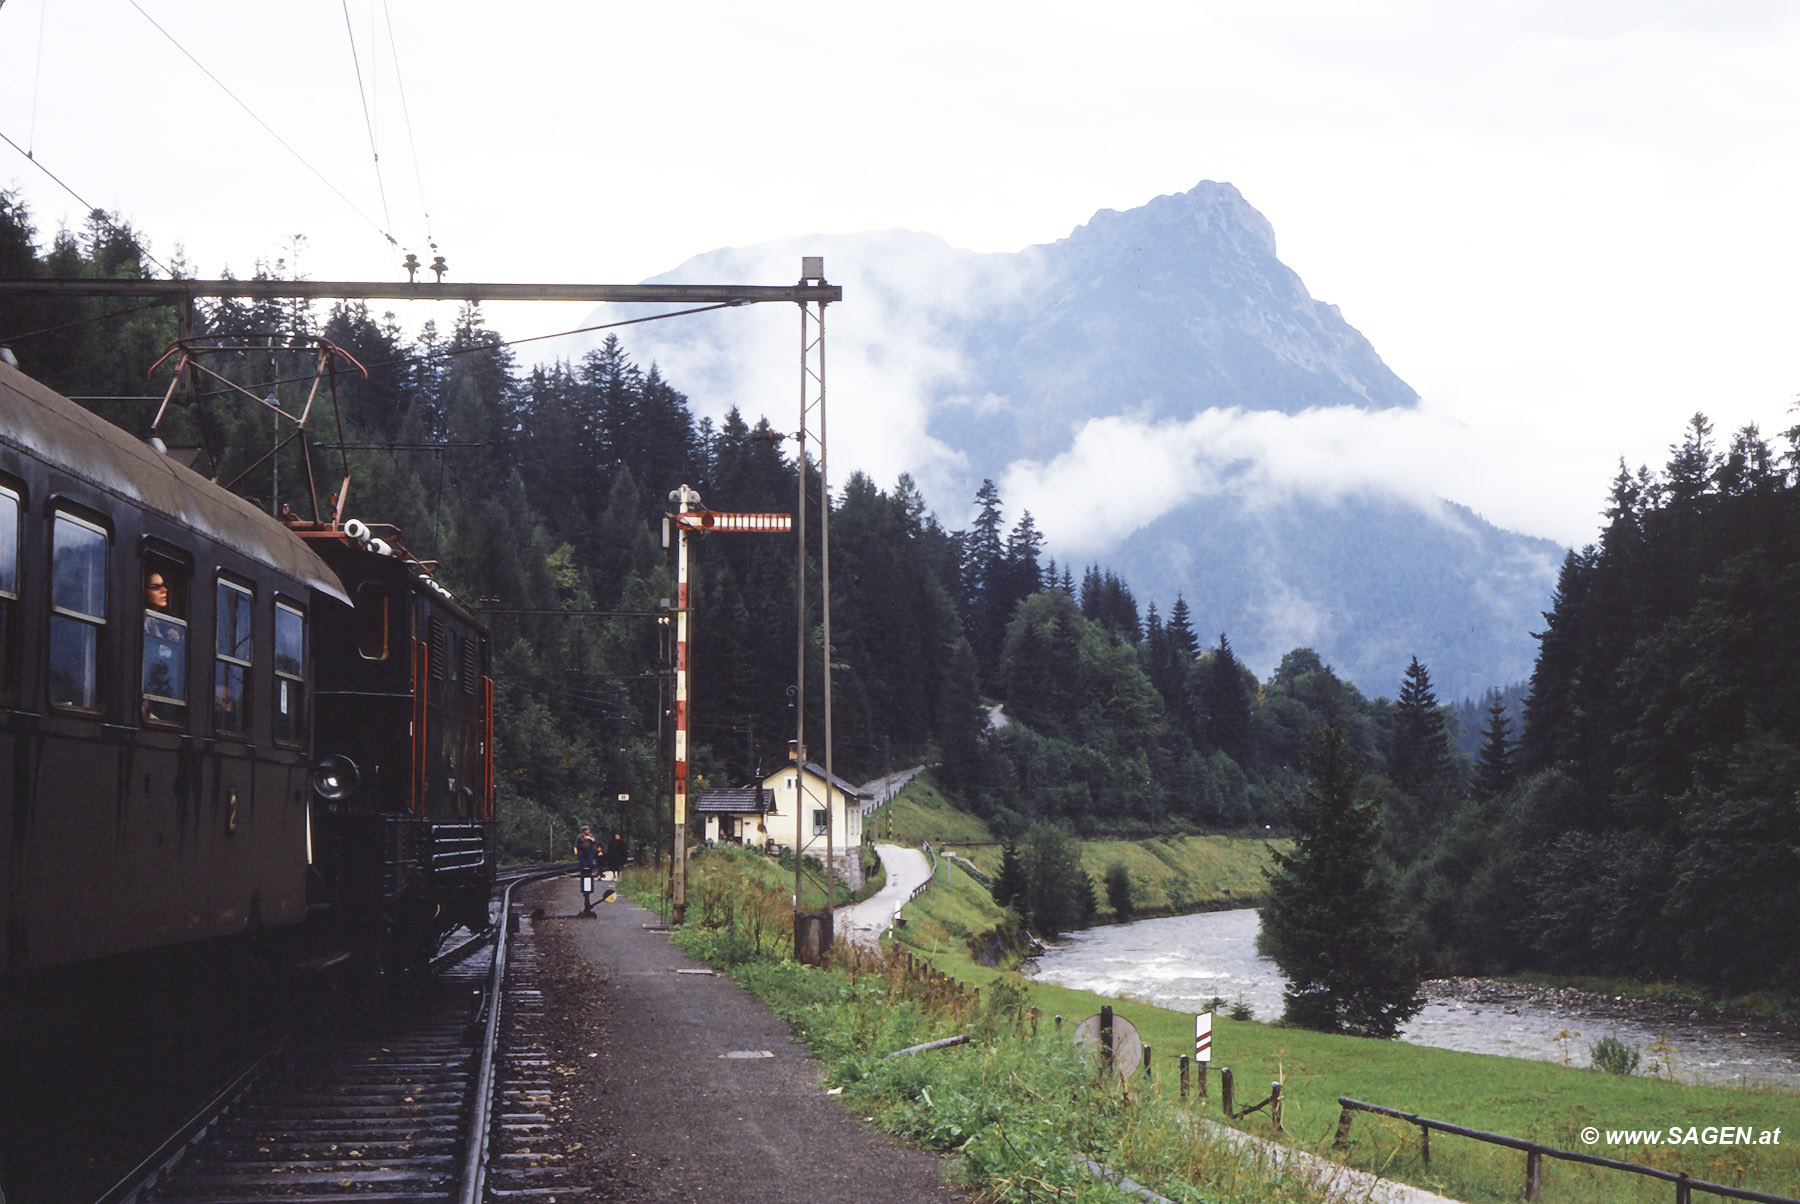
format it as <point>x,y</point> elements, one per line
<point>1016,1112</point>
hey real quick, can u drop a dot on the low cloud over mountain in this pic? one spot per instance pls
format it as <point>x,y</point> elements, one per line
<point>1168,400</point>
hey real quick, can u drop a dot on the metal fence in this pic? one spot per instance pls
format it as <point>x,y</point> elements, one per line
<point>1535,1154</point>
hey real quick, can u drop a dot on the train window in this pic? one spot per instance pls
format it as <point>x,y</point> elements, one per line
<point>9,582</point>
<point>77,611</point>
<point>231,671</point>
<point>164,682</point>
<point>290,664</point>
<point>372,606</point>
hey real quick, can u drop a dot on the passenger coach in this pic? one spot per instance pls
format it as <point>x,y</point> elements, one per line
<point>155,695</point>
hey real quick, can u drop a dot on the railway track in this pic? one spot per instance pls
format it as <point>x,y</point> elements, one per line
<point>442,1097</point>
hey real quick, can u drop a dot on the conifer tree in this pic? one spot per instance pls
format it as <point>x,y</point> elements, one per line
<point>1418,756</point>
<point>1181,630</point>
<point>1494,773</point>
<point>1226,704</point>
<point>1330,921</point>
<point>1010,886</point>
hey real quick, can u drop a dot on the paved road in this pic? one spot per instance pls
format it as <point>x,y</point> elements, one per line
<point>886,788</point>
<point>686,1121</point>
<point>863,923</point>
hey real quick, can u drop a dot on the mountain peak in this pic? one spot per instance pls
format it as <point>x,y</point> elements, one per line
<point>1209,208</point>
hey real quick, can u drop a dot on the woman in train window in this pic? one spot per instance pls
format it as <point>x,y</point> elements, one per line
<point>165,649</point>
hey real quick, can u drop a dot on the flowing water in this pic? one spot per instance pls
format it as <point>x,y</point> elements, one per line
<point>1184,962</point>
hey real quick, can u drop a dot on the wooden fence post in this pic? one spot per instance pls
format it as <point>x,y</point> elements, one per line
<point>1225,1092</point>
<point>1683,1193</point>
<point>1034,1020</point>
<point>1343,1130</point>
<point>1201,1068</point>
<point>1149,1072</point>
<point>1534,1172</point>
<point>1425,1145</point>
<point>1106,1036</point>
<point>1059,1024</point>
<point>1185,1071</point>
<point>1275,1105</point>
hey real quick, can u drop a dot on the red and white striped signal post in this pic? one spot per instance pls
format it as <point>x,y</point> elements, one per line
<point>686,517</point>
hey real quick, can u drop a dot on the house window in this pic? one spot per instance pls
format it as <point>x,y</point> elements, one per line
<point>164,679</point>
<point>290,664</point>
<point>820,821</point>
<point>9,583</point>
<point>77,612</point>
<point>231,673</point>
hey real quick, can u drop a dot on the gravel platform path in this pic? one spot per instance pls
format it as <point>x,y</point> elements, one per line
<point>681,1087</point>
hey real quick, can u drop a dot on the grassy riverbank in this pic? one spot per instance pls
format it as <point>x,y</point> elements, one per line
<point>1538,1101</point>
<point>1759,1005</point>
<point>1170,875</point>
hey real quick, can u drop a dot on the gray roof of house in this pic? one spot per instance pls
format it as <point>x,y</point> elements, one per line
<point>733,800</point>
<point>840,783</point>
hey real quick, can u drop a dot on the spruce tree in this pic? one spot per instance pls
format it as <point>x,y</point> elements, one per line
<point>1330,922</point>
<point>1418,756</point>
<point>1181,630</point>
<point>1010,888</point>
<point>1494,773</point>
<point>1225,704</point>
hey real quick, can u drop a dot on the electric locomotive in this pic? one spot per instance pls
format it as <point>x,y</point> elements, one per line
<point>405,739</point>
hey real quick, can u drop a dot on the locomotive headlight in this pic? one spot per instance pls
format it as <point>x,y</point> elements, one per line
<point>335,778</point>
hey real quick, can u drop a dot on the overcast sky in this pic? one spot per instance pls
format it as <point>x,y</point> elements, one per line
<point>1568,225</point>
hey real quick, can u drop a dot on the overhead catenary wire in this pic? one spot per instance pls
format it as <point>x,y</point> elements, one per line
<point>108,315</point>
<point>406,116</point>
<point>496,345</point>
<point>285,145</point>
<point>37,81</point>
<point>368,122</point>
<point>93,210</point>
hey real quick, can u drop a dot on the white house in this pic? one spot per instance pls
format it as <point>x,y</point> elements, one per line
<point>763,815</point>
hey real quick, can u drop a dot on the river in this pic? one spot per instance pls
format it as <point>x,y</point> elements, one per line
<point>1183,962</point>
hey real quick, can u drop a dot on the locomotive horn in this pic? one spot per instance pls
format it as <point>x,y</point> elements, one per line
<point>358,530</point>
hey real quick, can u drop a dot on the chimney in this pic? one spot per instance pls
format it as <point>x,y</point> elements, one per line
<point>796,752</point>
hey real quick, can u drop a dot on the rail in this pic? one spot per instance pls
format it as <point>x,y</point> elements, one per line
<point>481,1104</point>
<point>1535,1153</point>
<point>155,1166</point>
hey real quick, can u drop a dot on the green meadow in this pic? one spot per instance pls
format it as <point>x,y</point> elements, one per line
<point>1538,1101</point>
<point>1170,875</point>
